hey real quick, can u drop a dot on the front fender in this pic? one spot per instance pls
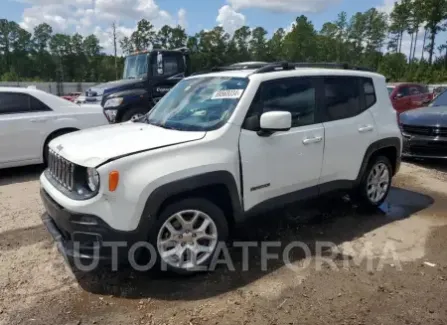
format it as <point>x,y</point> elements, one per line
<point>131,97</point>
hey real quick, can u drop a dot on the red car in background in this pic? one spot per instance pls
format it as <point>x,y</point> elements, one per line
<point>406,96</point>
<point>71,96</point>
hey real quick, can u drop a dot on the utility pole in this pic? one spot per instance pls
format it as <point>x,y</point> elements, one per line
<point>114,49</point>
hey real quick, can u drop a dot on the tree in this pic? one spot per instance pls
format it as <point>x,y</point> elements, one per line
<point>241,37</point>
<point>275,46</point>
<point>114,37</point>
<point>393,65</point>
<point>144,36</point>
<point>399,24</point>
<point>434,13</point>
<point>300,44</point>
<point>258,44</point>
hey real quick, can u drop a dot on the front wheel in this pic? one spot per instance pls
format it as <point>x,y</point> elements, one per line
<point>187,235</point>
<point>133,114</point>
<point>376,183</point>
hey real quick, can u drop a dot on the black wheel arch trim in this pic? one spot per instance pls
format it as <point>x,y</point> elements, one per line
<point>393,142</point>
<point>164,192</point>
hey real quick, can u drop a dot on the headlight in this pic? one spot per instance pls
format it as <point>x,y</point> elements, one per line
<point>111,114</point>
<point>113,102</point>
<point>92,179</point>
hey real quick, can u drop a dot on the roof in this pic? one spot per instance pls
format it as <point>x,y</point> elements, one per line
<point>21,90</point>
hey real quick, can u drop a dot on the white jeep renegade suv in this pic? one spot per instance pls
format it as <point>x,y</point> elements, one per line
<point>219,147</point>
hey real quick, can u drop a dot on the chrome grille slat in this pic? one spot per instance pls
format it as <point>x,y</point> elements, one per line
<point>61,170</point>
<point>424,130</point>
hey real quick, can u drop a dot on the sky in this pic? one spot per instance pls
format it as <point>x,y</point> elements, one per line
<point>96,16</point>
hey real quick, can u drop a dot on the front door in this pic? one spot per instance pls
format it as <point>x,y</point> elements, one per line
<point>167,69</point>
<point>402,100</point>
<point>286,165</point>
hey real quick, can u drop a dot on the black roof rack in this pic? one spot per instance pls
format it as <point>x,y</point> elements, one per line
<point>261,67</point>
<point>293,65</point>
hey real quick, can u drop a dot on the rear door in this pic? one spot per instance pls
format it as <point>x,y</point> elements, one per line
<point>23,123</point>
<point>349,128</point>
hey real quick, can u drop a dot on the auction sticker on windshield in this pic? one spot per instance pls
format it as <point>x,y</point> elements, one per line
<point>228,94</point>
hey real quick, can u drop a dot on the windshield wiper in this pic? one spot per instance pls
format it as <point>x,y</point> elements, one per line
<point>160,125</point>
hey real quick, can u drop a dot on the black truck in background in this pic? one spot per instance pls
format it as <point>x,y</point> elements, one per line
<point>147,77</point>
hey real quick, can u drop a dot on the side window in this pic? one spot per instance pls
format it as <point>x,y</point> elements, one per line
<point>422,89</point>
<point>171,66</point>
<point>294,95</point>
<point>14,103</point>
<point>404,90</point>
<point>11,103</point>
<point>342,97</point>
<point>414,90</point>
<point>369,92</point>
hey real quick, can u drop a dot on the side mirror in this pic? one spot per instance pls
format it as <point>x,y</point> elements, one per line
<point>160,66</point>
<point>399,95</point>
<point>274,121</point>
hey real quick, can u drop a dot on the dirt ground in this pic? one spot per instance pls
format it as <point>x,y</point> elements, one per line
<point>404,280</point>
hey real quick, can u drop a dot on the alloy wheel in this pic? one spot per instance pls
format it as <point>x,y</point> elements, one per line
<point>378,182</point>
<point>187,239</point>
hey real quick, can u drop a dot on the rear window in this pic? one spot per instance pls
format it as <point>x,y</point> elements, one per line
<point>390,90</point>
<point>369,92</point>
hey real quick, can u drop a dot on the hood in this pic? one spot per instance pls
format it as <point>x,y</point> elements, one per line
<point>94,146</point>
<point>425,116</point>
<point>112,86</point>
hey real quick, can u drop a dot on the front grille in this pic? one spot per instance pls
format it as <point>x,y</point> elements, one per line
<point>425,130</point>
<point>61,170</point>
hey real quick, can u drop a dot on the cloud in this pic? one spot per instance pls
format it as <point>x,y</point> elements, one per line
<point>229,19</point>
<point>387,6</point>
<point>301,6</point>
<point>182,18</point>
<point>55,15</point>
<point>96,16</point>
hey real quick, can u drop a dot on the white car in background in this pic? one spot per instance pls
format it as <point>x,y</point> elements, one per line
<point>30,118</point>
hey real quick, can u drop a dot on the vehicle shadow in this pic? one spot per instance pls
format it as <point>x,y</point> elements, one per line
<point>23,174</point>
<point>328,219</point>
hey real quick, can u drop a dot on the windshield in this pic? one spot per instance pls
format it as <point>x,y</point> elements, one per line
<point>440,100</point>
<point>198,104</point>
<point>135,66</point>
<point>390,90</point>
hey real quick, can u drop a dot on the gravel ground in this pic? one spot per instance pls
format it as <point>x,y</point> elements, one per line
<point>404,280</point>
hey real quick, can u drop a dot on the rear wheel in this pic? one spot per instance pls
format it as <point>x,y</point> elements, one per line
<point>187,235</point>
<point>375,184</point>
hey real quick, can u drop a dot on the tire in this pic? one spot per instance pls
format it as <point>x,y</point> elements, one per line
<point>46,148</point>
<point>363,193</point>
<point>130,114</point>
<point>207,210</point>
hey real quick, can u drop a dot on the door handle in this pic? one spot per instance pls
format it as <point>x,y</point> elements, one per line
<point>366,128</point>
<point>312,140</point>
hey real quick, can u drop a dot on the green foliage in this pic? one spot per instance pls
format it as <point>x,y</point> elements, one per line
<point>358,40</point>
